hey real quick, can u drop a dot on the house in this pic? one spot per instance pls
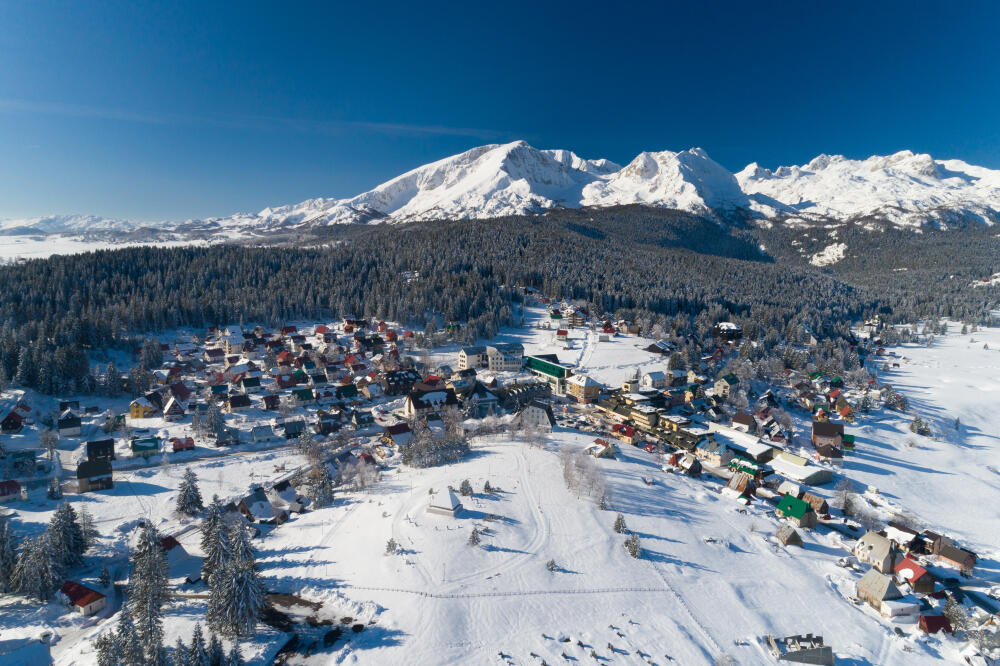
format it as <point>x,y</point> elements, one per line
<point>919,579</point>
<point>68,424</point>
<point>932,624</point>
<point>81,598</point>
<point>480,401</point>
<point>797,511</point>
<point>398,435</point>
<point>745,422</point>
<point>562,335</point>
<point>444,503</point>
<point>10,488</point>
<point>741,486</point>
<point>645,416</point>
<point>963,559</point>
<point>94,475</point>
<point>238,402</point>
<point>686,462</point>
<point>806,649</point>
<point>141,408</point>
<point>876,550</point>
<point>256,507</point>
<point>305,395</point>
<point>537,415</point>
<point>12,423</point>
<point>421,401</point>
<point>284,496</point>
<point>653,380</point>
<point>601,449</point>
<point>361,419</point>
<point>828,439</point>
<point>787,535</point>
<point>875,589</point>
<point>346,392</point>
<point>714,453</point>
<point>173,410</point>
<point>101,449</point>
<point>624,433</point>
<point>261,433</point>
<point>294,428</point>
<point>250,384</point>
<point>271,402</point>
<point>819,505</point>
<point>906,539</point>
<point>399,382</point>
<point>725,385</point>
<point>471,357</point>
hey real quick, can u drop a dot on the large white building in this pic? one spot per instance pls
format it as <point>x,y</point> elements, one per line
<point>471,357</point>
<point>505,358</point>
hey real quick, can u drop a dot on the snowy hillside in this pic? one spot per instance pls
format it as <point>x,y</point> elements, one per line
<point>905,189</point>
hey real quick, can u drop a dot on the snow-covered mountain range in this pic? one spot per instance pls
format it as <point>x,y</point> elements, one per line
<point>904,189</point>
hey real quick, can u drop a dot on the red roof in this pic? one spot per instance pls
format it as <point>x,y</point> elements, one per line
<point>907,564</point>
<point>9,488</point>
<point>80,595</point>
<point>321,329</point>
<point>628,431</point>
<point>398,428</point>
<point>931,624</point>
<point>168,542</point>
<point>562,332</point>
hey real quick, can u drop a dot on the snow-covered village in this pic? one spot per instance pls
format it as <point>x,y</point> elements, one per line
<point>353,491</point>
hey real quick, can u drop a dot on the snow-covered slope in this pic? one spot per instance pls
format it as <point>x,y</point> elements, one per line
<point>905,189</point>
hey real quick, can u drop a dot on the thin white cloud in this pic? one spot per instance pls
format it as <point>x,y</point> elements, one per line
<point>71,110</point>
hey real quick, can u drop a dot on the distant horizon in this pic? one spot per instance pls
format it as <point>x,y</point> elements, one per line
<point>193,110</point>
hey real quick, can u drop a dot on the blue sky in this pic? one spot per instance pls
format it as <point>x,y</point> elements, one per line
<point>191,109</point>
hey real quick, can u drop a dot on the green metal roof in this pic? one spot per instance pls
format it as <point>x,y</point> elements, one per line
<point>547,367</point>
<point>793,507</point>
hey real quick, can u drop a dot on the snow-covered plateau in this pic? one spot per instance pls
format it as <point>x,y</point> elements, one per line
<point>905,189</point>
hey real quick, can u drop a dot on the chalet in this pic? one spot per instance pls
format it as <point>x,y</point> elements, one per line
<point>963,559</point>
<point>653,380</point>
<point>10,489</point>
<point>94,475</point>
<point>427,401</point>
<point>624,433</point>
<point>398,435</point>
<point>828,439</point>
<point>714,453</point>
<point>918,578</point>
<point>745,422</point>
<point>100,450</point>
<point>327,422</point>
<point>727,330</point>
<point>875,589</point>
<point>797,511</point>
<point>932,624</point>
<point>261,433</point>
<point>68,424</point>
<point>562,335</point>
<point>238,402</point>
<point>906,539</point>
<point>819,505</point>
<point>173,410</point>
<point>787,535</point>
<point>583,388</point>
<point>725,385</point>
<point>180,391</point>
<point>399,382</point>
<point>361,419</point>
<point>741,485</point>
<point>81,598</point>
<point>346,392</point>
<point>480,402</point>
<point>145,447</point>
<point>250,384</point>
<point>182,444</point>
<point>271,402</point>
<point>876,550</point>
<point>305,395</point>
<point>294,428</point>
<point>686,462</point>
<point>12,423</point>
<point>283,496</point>
<point>601,449</point>
<point>214,355</point>
<point>256,507</point>
<point>537,415</point>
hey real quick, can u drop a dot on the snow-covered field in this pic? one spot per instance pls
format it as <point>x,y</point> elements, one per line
<point>13,248</point>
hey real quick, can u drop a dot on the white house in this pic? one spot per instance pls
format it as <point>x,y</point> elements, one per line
<point>81,598</point>
<point>537,415</point>
<point>505,358</point>
<point>471,357</point>
<point>653,380</point>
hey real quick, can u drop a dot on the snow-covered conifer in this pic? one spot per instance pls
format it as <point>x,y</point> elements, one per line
<point>38,570</point>
<point>237,600</point>
<point>188,496</point>
<point>8,554</point>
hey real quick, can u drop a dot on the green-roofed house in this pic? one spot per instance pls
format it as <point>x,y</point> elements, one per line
<point>145,447</point>
<point>555,315</point>
<point>346,391</point>
<point>797,511</point>
<point>725,384</point>
<point>303,395</point>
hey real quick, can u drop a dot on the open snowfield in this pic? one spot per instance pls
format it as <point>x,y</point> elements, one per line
<point>950,481</point>
<point>13,248</point>
<point>445,602</point>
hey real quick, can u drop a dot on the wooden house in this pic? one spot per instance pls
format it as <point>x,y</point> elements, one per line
<point>797,511</point>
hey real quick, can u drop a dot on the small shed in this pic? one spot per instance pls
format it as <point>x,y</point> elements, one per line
<point>789,536</point>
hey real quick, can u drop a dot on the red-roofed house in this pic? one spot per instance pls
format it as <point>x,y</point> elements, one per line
<point>623,432</point>
<point>919,579</point>
<point>931,624</point>
<point>85,600</point>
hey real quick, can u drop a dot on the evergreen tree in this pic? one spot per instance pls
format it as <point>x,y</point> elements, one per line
<point>38,570</point>
<point>238,598</point>
<point>216,654</point>
<point>180,655</point>
<point>198,654</point>
<point>87,528</point>
<point>234,658</point>
<point>218,552</point>
<point>127,647</point>
<point>104,647</point>
<point>465,488</point>
<point>620,527</point>
<point>189,500</point>
<point>8,554</point>
<point>241,549</point>
<point>148,592</point>
<point>105,576</point>
<point>67,536</point>
<point>474,537</point>
<point>632,546</point>
<point>391,546</point>
<point>319,490</point>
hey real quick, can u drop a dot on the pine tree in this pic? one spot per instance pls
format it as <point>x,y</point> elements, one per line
<point>238,598</point>
<point>235,657</point>
<point>632,546</point>
<point>487,488</point>
<point>474,537</point>
<point>620,527</point>
<point>180,655</point>
<point>67,536</point>
<point>189,500</point>
<point>87,528</point>
<point>38,570</point>
<point>218,551</point>
<point>127,648</point>
<point>198,654</point>
<point>465,488</point>
<point>319,491</point>
<point>8,554</point>
<point>148,592</point>
<point>105,576</point>
<point>104,647</point>
<point>391,546</point>
<point>242,551</point>
<point>216,655</point>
